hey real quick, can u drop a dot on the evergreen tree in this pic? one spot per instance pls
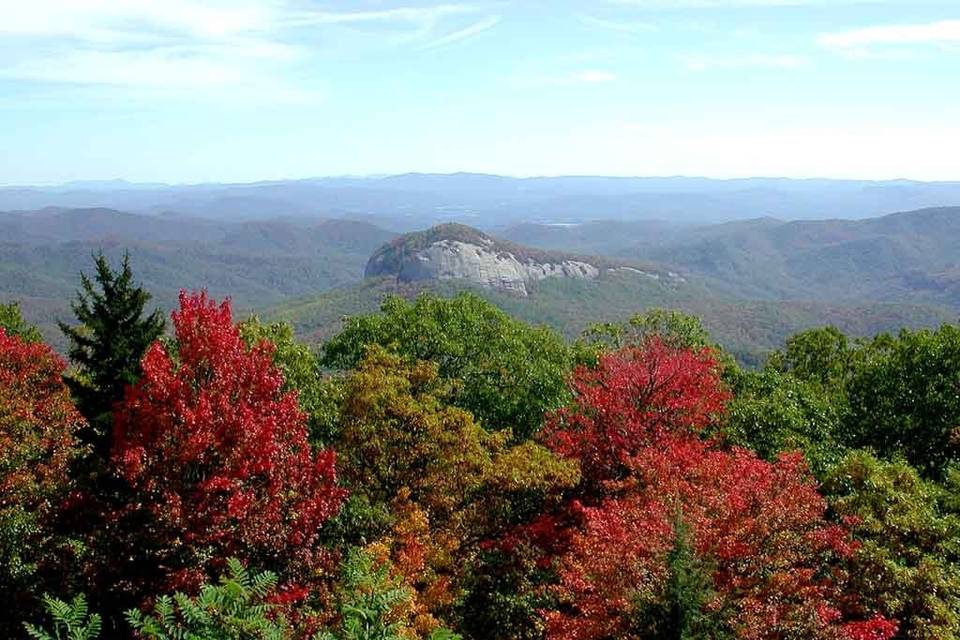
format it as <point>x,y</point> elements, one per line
<point>689,591</point>
<point>11,321</point>
<point>107,345</point>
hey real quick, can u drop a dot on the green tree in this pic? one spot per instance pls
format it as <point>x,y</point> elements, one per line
<point>506,373</point>
<point>908,564</point>
<point>675,328</point>
<point>71,621</point>
<point>107,345</point>
<point>683,612</point>
<point>772,412</point>
<point>817,354</point>
<point>904,398</point>
<point>369,600</point>
<point>11,321</point>
<point>896,395</point>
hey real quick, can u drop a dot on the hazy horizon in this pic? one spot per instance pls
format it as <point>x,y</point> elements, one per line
<point>119,182</point>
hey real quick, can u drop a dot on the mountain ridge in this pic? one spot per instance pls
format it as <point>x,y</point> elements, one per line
<point>416,200</point>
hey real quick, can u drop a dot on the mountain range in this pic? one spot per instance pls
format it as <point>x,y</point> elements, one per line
<point>413,201</point>
<point>753,281</point>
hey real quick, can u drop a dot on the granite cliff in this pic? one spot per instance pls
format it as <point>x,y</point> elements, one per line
<point>459,252</point>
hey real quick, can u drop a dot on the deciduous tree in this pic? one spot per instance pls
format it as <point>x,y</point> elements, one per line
<point>773,411</point>
<point>760,527</point>
<point>38,432</point>
<point>677,537</point>
<point>440,483</point>
<point>217,457</point>
<point>319,395</point>
<point>631,399</point>
<point>908,563</point>
<point>508,374</point>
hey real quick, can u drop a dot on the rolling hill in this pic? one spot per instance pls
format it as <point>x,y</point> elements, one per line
<point>254,262</point>
<point>908,257</point>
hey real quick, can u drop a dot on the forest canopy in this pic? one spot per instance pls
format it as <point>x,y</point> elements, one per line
<point>439,469</point>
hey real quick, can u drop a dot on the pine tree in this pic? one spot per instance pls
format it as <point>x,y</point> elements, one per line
<point>107,345</point>
<point>689,590</point>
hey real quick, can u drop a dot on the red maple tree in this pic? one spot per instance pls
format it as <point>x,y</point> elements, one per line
<point>216,451</point>
<point>768,562</point>
<point>630,399</point>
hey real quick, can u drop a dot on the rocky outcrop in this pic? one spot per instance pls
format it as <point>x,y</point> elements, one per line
<point>457,252</point>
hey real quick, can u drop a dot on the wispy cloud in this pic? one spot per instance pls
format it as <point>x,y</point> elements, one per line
<point>465,33</point>
<point>942,32</point>
<point>402,14</point>
<point>701,63</point>
<point>182,44</point>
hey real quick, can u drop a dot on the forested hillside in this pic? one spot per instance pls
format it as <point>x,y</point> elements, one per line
<point>903,257</point>
<point>438,469</point>
<point>748,329</point>
<point>753,283</point>
<point>253,262</point>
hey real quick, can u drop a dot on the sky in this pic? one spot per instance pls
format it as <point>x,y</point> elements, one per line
<point>228,91</point>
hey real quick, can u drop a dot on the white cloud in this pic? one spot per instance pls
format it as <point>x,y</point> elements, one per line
<point>184,44</point>
<point>101,20</point>
<point>754,61</point>
<point>942,32</point>
<point>123,20</point>
<point>403,14</point>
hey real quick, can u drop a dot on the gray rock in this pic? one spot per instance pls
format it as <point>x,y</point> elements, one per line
<point>478,259</point>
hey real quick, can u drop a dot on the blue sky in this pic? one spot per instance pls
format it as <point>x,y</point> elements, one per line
<point>189,91</point>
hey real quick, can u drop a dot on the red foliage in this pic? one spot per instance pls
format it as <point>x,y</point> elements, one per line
<point>217,452</point>
<point>770,560</point>
<point>632,398</point>
<point>37,424</point>
<point>759,526</point>
<point>874,629</point>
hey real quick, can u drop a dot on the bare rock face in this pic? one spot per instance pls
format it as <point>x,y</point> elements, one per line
<point>457,252</point>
